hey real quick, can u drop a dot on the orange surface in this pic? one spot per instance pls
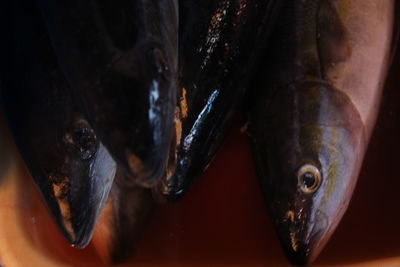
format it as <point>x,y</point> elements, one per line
<point>223,220</point>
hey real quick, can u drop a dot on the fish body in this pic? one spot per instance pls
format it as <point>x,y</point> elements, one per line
<point>71,168</point>
<point>120,59</point>
<point>313,111</point>
<point>219,46</point>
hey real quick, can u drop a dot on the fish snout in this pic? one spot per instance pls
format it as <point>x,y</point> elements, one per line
<point>303,236</point>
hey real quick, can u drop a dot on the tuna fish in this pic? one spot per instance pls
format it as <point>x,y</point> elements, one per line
<point>220,44</point>
<point>71,168</point>
<point>120,60</point>
<point>313,111</point>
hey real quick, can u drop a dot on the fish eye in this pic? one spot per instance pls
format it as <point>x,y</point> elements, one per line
<point>309,178</point>
<point>82,139</point>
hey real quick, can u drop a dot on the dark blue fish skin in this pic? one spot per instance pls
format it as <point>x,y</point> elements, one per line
<point>71,168</point>
<point>120,60</point>
<point>219,46</point>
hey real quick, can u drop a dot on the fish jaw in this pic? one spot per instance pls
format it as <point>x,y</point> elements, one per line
<point>171,189</point>
<point>313,126</point>
<point>301,237</point>
<point>101,175</point>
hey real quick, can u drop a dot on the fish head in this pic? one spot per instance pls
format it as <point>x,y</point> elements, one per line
<point>77,185</point>
<point>314,148</point>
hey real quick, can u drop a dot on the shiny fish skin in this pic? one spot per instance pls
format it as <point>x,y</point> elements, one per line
<point>120,59</point>
<point>71,168</point>
<point>219,46</point>
<point>315,106</point>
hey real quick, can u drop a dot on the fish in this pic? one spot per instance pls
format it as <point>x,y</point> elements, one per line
<point>312,111</point>
<point>72,169</point>
<point>120,59</point>
<point>219,45</point>
<point>121,225</point>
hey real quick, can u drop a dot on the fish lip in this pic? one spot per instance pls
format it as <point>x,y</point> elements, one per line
<point>174,195</point>
<point>302,253</point>
<point>176,185</point>
<point>300,257</point>
<point>84,238</point>
<point>169,190</point>
<point>303,242</point>
<point>80,236</point>
<point>77,239</point>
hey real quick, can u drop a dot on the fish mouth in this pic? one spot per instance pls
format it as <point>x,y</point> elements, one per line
<point>82,237</point>
<point>77,230</point>
<point>300,252</point>
<point>171,193</point>
<point>171,187</point>
<point>302,242</point>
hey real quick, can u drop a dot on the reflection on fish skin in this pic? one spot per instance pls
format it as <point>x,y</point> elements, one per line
<point>314,107</point>
<point>120,59</point>
<point>220,44</point>
<point>120,225</point>
<point>71,168</point>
